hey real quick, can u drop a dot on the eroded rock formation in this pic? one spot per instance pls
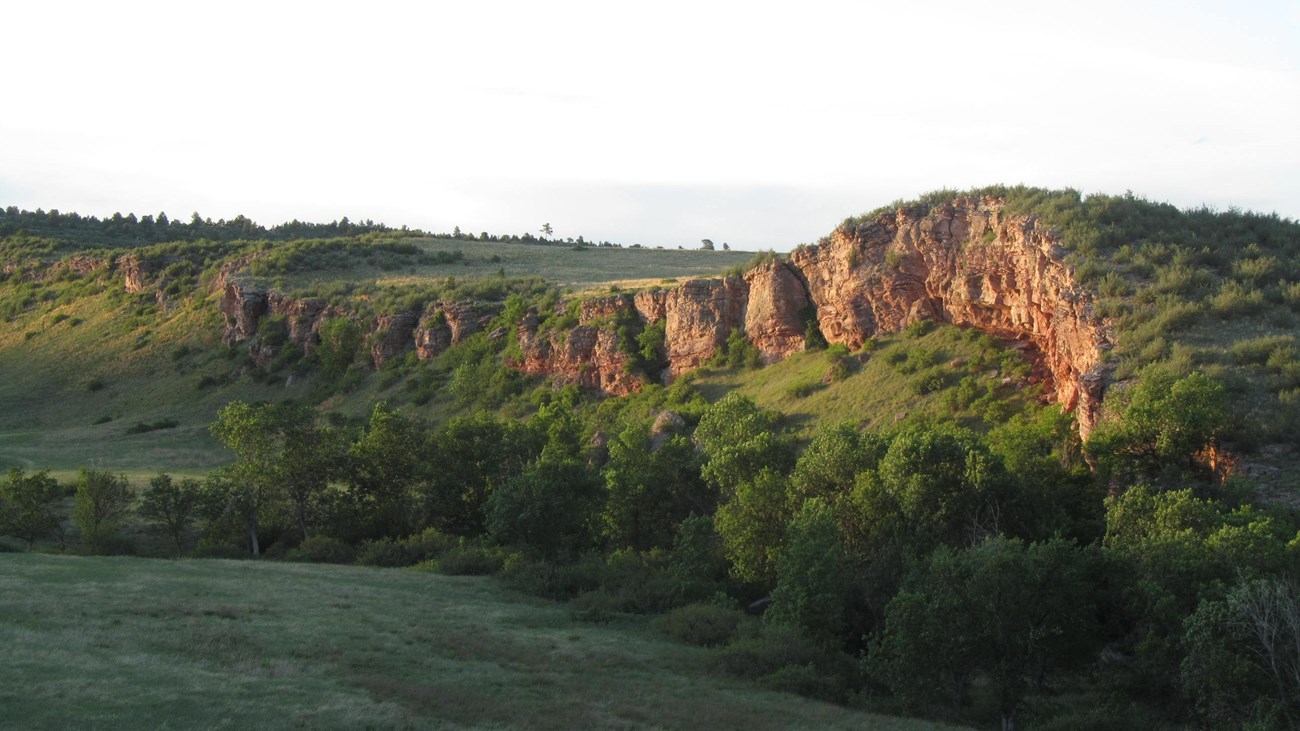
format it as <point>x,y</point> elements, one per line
<point>968,262</point>
<point>586,355</point>
<point>392,335</point>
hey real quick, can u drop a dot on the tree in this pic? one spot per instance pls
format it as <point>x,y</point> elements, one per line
<point>829,466</point>
<point>102,501</point>
<point>385,463</point>
<point>29,505</point>
<point>547,231</point>
<point>1161,426</point>
<point>475,455</point>
<point>946,487</point>
<point>1242,661</point>
<point>706,244</point>
<point>813,576</point>
<point>171,507</point>
<point>250,431</point>
<point>309,459</point>
<point>753,524</point>
<point>726,246</point>
<point>1012,611</point>
<point>551,507</point>
<point>651,490</point>
<point>739,440</point>
<point>340,339</point>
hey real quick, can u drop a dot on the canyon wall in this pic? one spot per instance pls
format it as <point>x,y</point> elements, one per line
<point>968,262</point>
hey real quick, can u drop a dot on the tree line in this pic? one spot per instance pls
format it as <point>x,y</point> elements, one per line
<point>931,568</point>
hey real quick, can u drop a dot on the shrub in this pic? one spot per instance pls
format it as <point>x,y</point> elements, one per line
<point>804,388</point>
<point>1235,298</point>
<point>468,559</point>
<point>918,328</point>
<point>1257,351</point>
<point>929,381</point>
<point>390,553</point>
<point>323,549</point>
<point>385,553</point>
<point>707,625</point>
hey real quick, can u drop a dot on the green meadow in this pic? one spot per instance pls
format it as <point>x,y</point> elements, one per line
<point>128,643</point>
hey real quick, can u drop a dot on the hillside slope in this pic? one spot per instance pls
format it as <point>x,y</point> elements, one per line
<point>1090,290</point>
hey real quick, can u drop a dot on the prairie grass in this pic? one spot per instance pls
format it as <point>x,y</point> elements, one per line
<point>141,643</point>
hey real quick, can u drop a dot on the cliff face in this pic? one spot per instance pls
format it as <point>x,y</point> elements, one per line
<point>446,324</point>
<point>587,355</point>
<point>392,335</point>
<point>967,263</point>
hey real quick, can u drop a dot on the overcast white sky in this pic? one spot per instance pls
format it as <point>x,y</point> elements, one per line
<point>760,124</point>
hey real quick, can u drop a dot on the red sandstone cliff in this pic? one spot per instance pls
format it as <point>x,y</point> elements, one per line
<point>969,263</point>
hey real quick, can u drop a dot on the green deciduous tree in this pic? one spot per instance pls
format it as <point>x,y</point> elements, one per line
<point>813,576</point>
<point>385,463</point>
<point>753,524</point>
<point>1242,661</point>
<point>29,505</point>
<point>474,456</point>
<point>1158,428</point>
<point>102,501</point>
<point>245,487</point>
<point>340,341</point>
<point>171,507</point>
<point>739,440</point>
<point>1011,611</point>
<point>651,490</point>
<point>551,507</point>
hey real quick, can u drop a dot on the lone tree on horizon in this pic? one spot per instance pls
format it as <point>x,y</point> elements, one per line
<point>547,231</point>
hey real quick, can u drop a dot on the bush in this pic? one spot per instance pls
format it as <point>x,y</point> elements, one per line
<point>552,580</point>
<point>706,625</point>
<point>323,549</point>
<point>468,559</point>
<point>929,381</point>
<point>803,389</point>
<point>412,550</point>
<point>385,553</point>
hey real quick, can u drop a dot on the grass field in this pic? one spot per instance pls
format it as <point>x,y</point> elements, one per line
<point>577,269</point>
<point>141,643</point>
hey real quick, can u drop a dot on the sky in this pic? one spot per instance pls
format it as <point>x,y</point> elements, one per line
<point>755,123</point>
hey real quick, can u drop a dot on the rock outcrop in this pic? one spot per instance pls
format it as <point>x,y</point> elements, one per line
<point>135,272</point>
<point>392,336</point>
<point>970,263</point>
<point>774,314</point>
<point>698,317</point>
<point>445,324</point>
<point>302,317</point>
<point>242,307</point>
<point>585,355</point>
